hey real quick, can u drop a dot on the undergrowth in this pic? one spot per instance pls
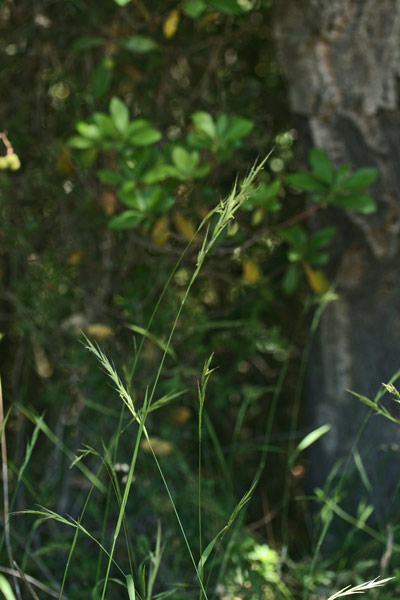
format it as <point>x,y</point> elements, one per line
<point>106,551</point>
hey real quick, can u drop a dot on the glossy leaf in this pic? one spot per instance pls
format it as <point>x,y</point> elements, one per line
<point>204,122</point>
<point>87,130</point>
<point>291,279</point>
<point>361,179</point>
<point>306,182</point>
<point>361,203</point>
<point>193,8</point>
<point>119,114</point>
<point>80,143</point>
<point>110,177</point>
<point>86,42</point>
<point>321,166</point>
<point>139,43</point>
<point>229,7</point>
<point>238,127</point>
<point>125,220</point>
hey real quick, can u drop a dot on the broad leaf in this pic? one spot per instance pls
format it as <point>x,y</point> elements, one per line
<point>361,203</point>
<point>87,130</point>
<point>321,166</point>
<point>193,8</point>
<point>80,143</point>
<point>204,122</point>
<point>86,42</point>
<point>238,127</point>
<point>139,43</point>
<point>306,182</point>
<point>110,177</point>
<point>126,220</point>
<point>360,179</point>
<point>229,7</point>
<point>105,124</point>
<point>119,114</point>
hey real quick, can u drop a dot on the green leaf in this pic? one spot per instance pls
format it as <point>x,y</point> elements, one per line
<point>102,77</point>
<point>110,177</point>
<point>229,7</point>
<point>6,589</point>
<point>306,182</point>
<point>126,220</point>
<point>295,236</point>
<point>159,173</point>
<point>106,125</point>
<point>92,132</point>
<point>291,280</point>
<point>360,179</point>
<point>204,122</point>
<point>119,114</point>
<point>193,8</point>
<point>86,42</point>
<point>142,133</point>
<point>185,161</point>
<point>139,44</point>
<point>323,237</point>
<point>313,436</point>
<point>321,166</point>
<point>122,2</point>
<point>361,203</point>
<point>80,143</point>
<point>238,127</point>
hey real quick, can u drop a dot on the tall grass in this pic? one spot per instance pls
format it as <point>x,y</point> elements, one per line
<point>140,580</point>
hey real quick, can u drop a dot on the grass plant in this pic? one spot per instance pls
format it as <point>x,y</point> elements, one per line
<point>208,574</point>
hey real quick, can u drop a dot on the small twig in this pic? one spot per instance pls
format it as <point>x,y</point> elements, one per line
<point>389,549</point>
<point>300,217</point>
<point>27,583</point>
<point>32,581</point>
<point>6,142</point>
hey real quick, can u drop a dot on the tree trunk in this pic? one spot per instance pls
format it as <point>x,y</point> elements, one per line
<point>341,59</point>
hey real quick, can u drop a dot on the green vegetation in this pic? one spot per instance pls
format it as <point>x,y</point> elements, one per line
<point>141,235</point>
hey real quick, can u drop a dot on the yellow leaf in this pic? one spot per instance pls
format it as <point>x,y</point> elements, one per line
<point>184,226</point>
<point>316,279</point>
<point>76,257</point>
<point>181,415</point>
<point>171,24</point>
<point>63,161</point>
<point>160,232</point>
<point>99,332</point>
<point>160,447</point>
<point>109,202</point>
<point>251,271</point>
<point>42,363</point>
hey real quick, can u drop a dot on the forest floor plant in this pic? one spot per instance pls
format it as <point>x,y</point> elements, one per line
<point>140,582</point>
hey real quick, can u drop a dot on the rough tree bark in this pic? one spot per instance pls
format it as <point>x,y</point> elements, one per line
<point>341,59</point>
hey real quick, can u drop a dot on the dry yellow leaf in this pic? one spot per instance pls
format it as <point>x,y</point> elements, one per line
<point>171,24</point>
<point>76,257</point>
<point>161,447</point>
<point>63,161</point>
<point>181,415</point>
<point>109,202</point>
<point>99,332</point>
<point>251,271</point>
<point>184,226</point>
<point>316,279</point>
<point>42,363</point>
<point>160,232</point>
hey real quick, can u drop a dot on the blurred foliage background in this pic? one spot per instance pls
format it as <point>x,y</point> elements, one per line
<point>131,121</point>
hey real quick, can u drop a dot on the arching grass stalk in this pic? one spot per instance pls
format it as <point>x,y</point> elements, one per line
<point>223,214</point>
